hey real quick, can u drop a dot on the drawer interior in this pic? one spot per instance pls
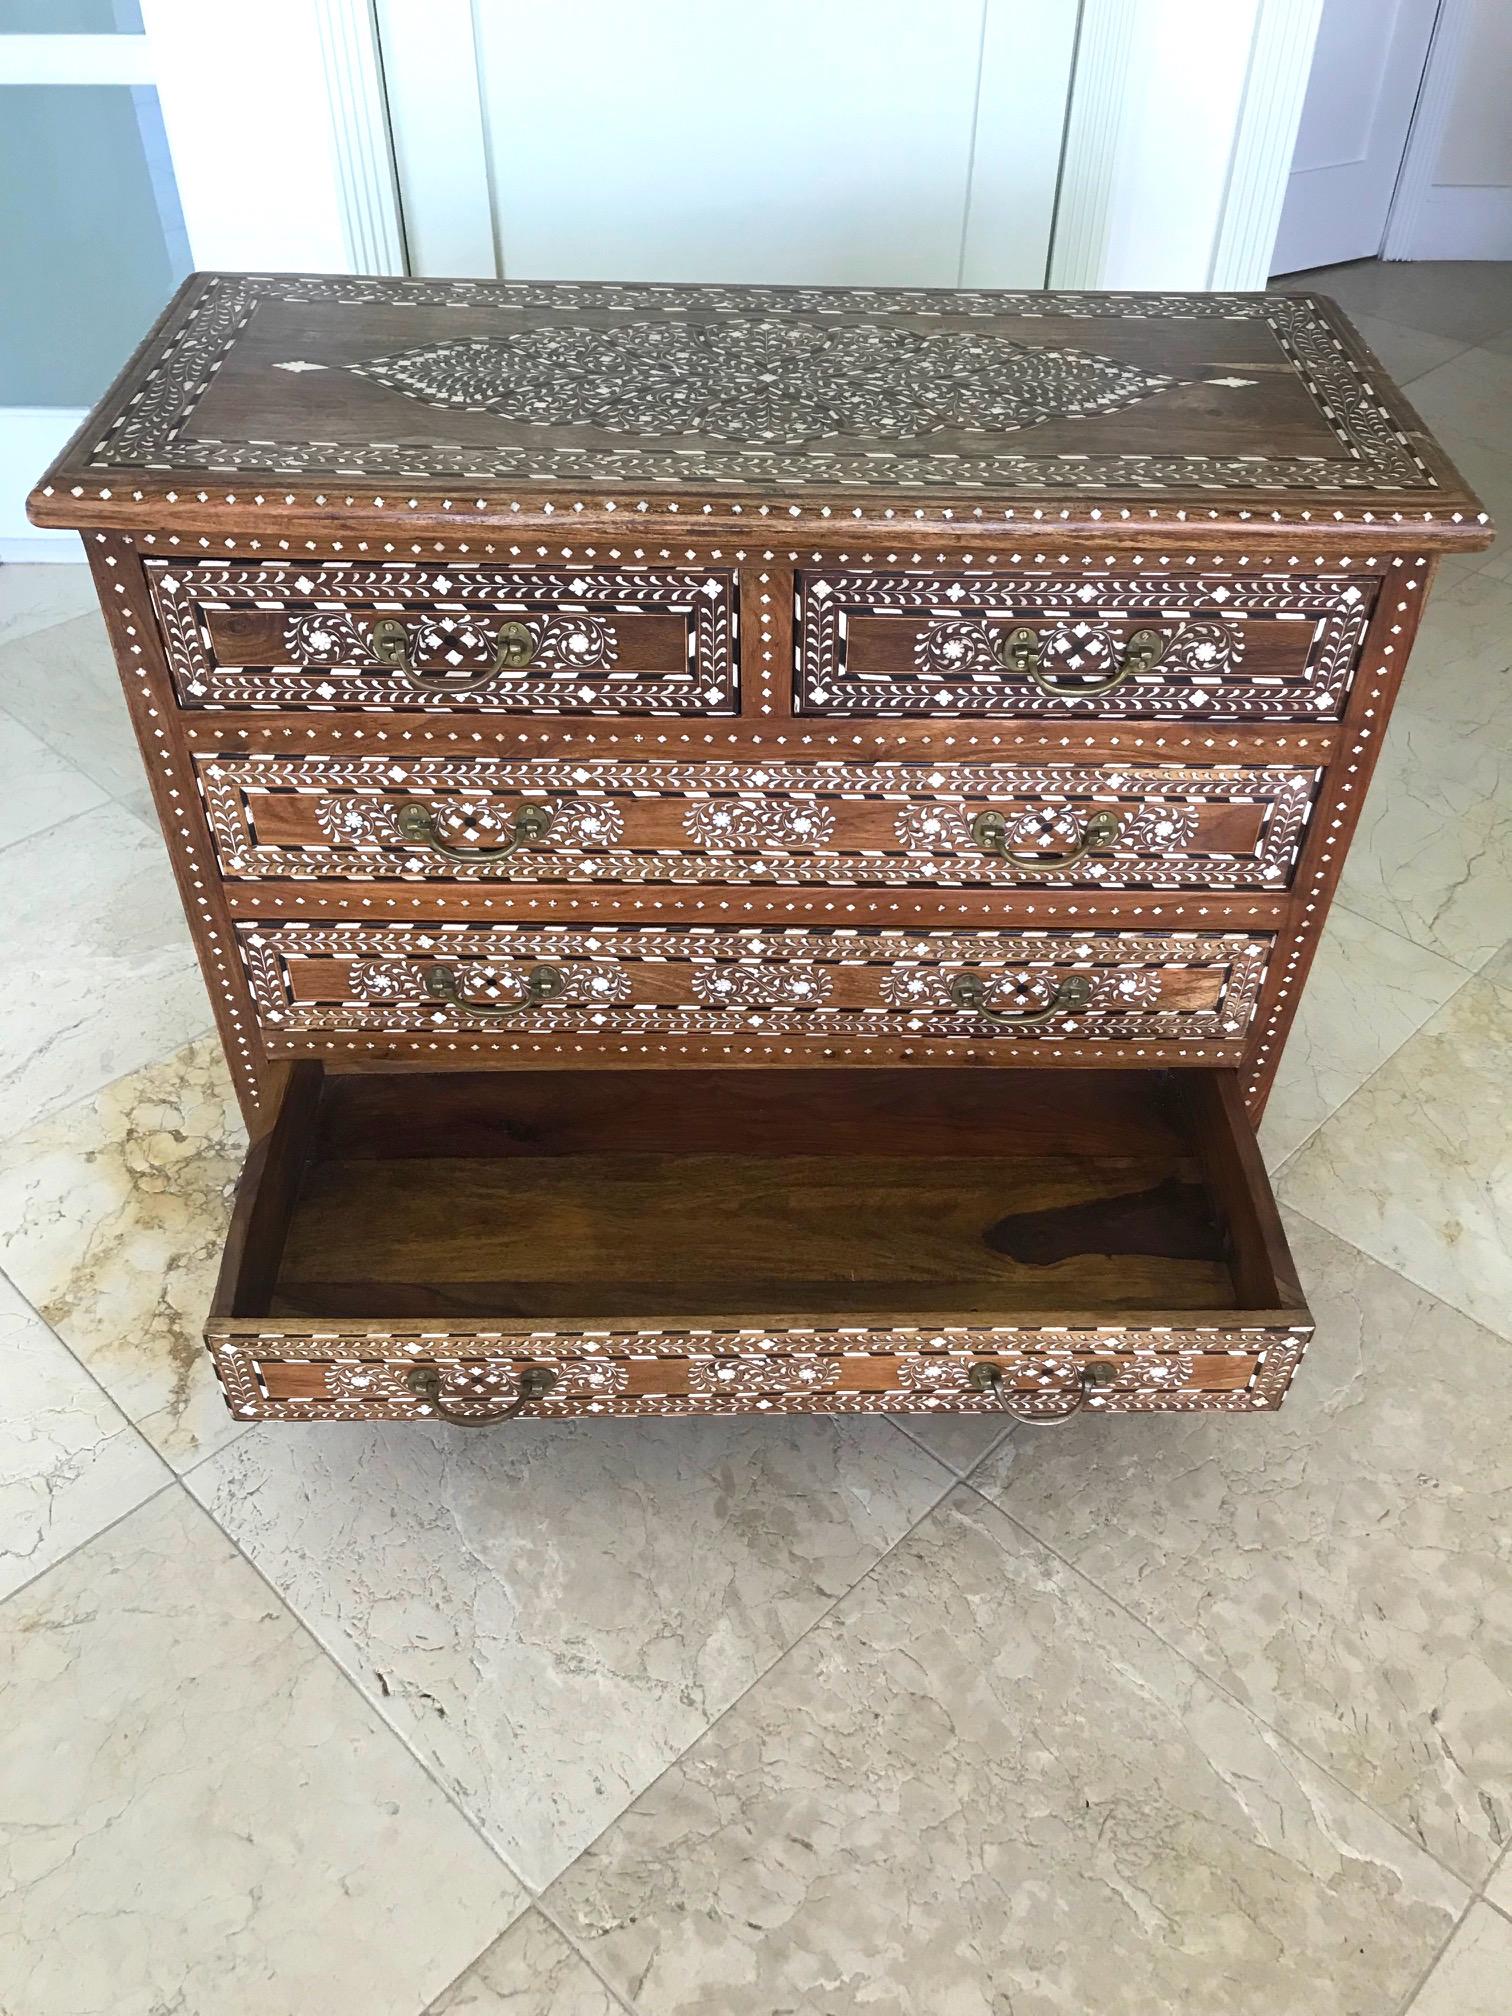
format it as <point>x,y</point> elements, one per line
<point>589,1196</point>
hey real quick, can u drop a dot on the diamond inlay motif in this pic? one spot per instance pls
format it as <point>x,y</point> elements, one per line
<point>764,381</point>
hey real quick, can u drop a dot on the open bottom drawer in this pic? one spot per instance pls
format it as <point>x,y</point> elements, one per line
<point>482,1245</point>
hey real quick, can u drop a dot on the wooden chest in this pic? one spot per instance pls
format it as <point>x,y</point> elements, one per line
<point>754,849</point>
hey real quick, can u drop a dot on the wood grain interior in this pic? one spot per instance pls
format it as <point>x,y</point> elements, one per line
<point>610,1194</point>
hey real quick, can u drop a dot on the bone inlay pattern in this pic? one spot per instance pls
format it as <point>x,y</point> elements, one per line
<point>828,825</point>
<point>781,382</point>
<point>316,646</point>
<point>847,1369</point>
<point>645,442</point>
<point>629,980</point>
<point>919,715</point>
<point>1266,648</point>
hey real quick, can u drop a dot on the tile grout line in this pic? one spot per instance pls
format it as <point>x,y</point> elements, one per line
<point>369,1704</point>
<point>1328,1119</point>
<point>1401,1273</point>
<point>89,1372</point>
<point>110,1526</point>
<point>952,1483</point>
<point>52,1113</point>
<point>1404,2007</point>
<point>531,1892</point>
<point>1221,1687</point>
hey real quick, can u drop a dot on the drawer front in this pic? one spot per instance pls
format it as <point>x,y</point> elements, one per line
<point>458,819</point>
<point>523,641</point>
<point>280,1371</point>
<point>591,984</point>
<point>1209,647</point>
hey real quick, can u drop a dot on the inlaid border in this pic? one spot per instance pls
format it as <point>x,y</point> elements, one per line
<point>153,431</point>
<point>791,1370</point>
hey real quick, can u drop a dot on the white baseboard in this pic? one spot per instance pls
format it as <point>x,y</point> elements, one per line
<point>32,546</point>
<point>1450,223</point>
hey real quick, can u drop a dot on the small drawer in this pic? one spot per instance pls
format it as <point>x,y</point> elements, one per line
<point>1029,1244</point>
<point>588,985</point>
<point>884,825</point>
<point>512,641</point>
<point>1204,647</point>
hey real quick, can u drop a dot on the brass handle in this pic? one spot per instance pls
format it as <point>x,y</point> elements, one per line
<point>969,991</point>
<point>1020,652</point>
<point>536,1381</point>
<point>990,832</point>
<point>541,983</point>
<point>531,824</point>
<point>987,1377</point>
<point>390,646</point>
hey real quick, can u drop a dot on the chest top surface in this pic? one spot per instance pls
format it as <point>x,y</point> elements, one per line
<point>259,396</point>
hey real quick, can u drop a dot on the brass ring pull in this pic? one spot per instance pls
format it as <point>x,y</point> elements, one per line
<point>541,984</point>
<point>990,832</point>
<point>536,1381</point>
<point>1020,652</point>
<point>986,1376</point>
<point>417,822</point>
<point>969,991</point>
<point>390,646</point>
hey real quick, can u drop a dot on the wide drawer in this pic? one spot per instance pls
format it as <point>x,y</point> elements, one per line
<point>1212,647</point>
<point>1022,1243</point>
<point>592,983</point>
<point>946,825</point>
<point>514,641</point>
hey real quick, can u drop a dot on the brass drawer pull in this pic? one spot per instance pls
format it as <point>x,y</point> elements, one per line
<point>1020,652</point>
<point>986,1376</point>
<point>417,822</point>
<point>536,1381</point>
<point>990,832</point>
<point>969,991</point>
<point>390,644</point>
<point>541,983</point>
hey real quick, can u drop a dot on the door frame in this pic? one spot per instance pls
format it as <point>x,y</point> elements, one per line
<point>305,68</point>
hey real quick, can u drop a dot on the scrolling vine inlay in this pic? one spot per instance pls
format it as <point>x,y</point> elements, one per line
<point>589,384</point>
<point>781,383</point>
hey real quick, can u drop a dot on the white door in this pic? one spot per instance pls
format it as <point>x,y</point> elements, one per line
<point>1367,66</point>
<point>868,142</point>
<point>92,240</point>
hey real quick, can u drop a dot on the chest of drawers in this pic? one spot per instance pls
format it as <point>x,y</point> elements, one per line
<point>754,849</point>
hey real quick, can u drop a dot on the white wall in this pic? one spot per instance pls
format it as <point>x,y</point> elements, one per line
<point>1454,200</point>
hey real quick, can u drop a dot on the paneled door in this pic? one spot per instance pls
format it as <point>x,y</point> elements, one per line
<point>864,142</point>
<point>1367,66</point>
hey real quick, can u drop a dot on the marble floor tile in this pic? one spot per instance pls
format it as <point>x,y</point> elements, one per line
<point>70,1461</point>
<point>1432,855</point>
<point>112,1217</point>
<point>1368,991</point>
<point>1488,471</point>
<point>979,1786</point>
<point>551,1613</point>
<point>1474,1975</point>
<point>959,1440</point>
<point>1416,1168</point>
<point>62,684</point>
<point>1469,397</point>
<point>531,1971</point>
<point>1499,1889</point>
<point>90,916</point>
<point>1343,1566</point>
<point>199,1813</point>
<point>36,594</point>
<point>38,787</point>
<point>1406,353</point>
<point>1460,672</point>
<point>1467,298</point>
